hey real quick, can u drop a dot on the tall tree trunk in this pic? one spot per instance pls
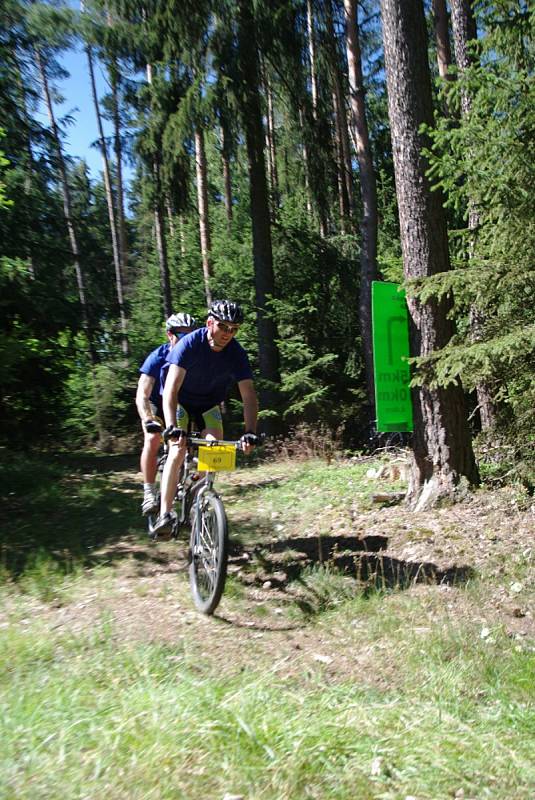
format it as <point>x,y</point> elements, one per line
<point>161,238</point>
<point>343,200</point>
<point>345,172</point>
<point>312,58</point>
<point>346,154</point>
<point>204,220</point>
<point>28,172</point>
<point>268,355</point>
<point>315,198</point>
<point>227,181</point>
<point>73,241</point>
<point>368,190</point>
<point>111,209</point>
<point>271,146</point>
<point>442,38</point>
<point>306,164</point>
<point>442,447</point>
<point>118,150</point>
<point>67,209</point>
<point>159,227</point>
<point>170,216</point>
<point>464,32</point>
<point>182,234</point>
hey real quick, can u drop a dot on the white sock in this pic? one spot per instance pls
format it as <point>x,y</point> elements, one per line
<point>149,487</point>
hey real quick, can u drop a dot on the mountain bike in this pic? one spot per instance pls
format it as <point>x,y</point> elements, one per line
<point>198,505</point>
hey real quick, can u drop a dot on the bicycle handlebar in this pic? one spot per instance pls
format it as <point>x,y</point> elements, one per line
<point>198,441</point>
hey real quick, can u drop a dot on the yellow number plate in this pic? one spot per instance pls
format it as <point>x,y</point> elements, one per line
<point>218,457</point>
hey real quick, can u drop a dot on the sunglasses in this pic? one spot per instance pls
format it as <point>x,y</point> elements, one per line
<point>228,328</point>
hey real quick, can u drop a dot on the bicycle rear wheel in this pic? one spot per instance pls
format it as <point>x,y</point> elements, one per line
<point>209,553</point>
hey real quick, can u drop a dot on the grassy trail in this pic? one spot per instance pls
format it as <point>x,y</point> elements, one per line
<point>388,681</point>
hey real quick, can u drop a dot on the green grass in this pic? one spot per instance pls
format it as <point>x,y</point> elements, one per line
<point>88,718</point>
<point>426,705</point>
<point>61,509</point>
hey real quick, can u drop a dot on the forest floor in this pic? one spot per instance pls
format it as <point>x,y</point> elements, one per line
<point>285,519</point>
<point>332,582</point>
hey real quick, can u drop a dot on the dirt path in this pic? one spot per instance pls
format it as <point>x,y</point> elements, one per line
<point>268,612</point>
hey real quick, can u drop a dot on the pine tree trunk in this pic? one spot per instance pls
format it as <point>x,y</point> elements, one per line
<point>73,241</point>
<point>202,205</point>
<point>159,227</point>
<point>442,447</point>
<point>111,209</point>
<point>67,206</point>
<point>28,172</point>
<point>227,182</point>
<point>342,150</point>
<point>118,149</point>
<point>314,197</point>
<point>268,356</point>
<point>170,216</point>
<point>347,159</point>
<point>182,234</point>
<point>343,203</point>
<point>312,58</point>
<point>306,165</point>
<point>465,31</point>
<point>271,146</point>
<point>368,191</point>
<point>161,239</point>
<point>442,38</point>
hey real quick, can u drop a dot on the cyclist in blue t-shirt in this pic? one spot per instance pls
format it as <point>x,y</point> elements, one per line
<point>149,404</point>
<point>203,366</point>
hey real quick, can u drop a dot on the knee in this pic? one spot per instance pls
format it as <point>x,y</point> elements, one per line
<point>176,451</point>
<point>154,442</point>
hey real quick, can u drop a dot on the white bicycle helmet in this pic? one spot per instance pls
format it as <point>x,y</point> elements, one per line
<point>180,321</point>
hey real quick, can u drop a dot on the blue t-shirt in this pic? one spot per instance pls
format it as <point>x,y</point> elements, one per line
<point>209,374</point>
<point>153,366</point>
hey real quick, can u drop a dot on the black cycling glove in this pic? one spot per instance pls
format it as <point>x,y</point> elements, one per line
<point>152,426</point>
<point>171,432</point>
<point>250,438</point>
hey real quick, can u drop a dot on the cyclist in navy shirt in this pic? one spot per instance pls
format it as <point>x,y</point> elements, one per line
<point>149,404</point>
<point>202,368</point>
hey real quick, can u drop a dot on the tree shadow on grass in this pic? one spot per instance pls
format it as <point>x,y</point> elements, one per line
<point>361,558</point>
<point>100,463</point>
<point>66,508</point>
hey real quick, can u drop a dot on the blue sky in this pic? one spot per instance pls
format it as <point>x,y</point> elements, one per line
<point>78,103</point>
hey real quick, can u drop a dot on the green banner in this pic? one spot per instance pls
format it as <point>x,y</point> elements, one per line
<point>390,325</point>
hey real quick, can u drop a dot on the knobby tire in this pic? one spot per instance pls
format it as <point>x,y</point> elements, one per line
<point>209,553</point>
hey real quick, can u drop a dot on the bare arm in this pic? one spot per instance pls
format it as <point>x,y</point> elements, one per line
<point>173,382</point>
<point>144,389</point>
<point>250,404</point>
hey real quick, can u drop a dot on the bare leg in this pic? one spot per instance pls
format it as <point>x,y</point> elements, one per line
<point>149,457</point>
<point>175,458</point>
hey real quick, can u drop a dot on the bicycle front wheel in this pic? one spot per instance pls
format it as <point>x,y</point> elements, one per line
<point>209,553</point>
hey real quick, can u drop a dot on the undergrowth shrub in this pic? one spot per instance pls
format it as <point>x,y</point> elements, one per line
<point>305,441</point>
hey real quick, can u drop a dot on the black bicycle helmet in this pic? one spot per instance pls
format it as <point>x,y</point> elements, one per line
<point>226,311</point>
<point>179,321</point>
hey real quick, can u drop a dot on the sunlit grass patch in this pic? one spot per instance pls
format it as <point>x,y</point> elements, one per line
<point>88,716</point>
<point>113,687</point>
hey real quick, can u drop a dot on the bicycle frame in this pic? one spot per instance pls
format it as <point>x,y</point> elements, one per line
<point>188,489</point>
<point>198,505</point>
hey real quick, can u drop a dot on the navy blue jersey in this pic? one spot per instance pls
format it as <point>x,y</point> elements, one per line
<point>152,366</point>
<point>209,374</point>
